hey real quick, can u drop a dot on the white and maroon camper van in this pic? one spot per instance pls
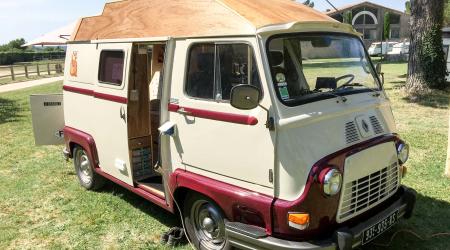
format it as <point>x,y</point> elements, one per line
<point>264,123</point>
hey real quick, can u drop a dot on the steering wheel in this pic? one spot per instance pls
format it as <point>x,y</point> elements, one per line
<point>349,76</point>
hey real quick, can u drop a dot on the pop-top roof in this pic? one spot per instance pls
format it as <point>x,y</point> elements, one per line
<point>191,18</point>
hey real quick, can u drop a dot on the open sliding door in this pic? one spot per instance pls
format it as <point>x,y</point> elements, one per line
<point>111,100</point>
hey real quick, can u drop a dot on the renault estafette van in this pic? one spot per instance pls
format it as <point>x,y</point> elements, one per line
<point>263,123</point>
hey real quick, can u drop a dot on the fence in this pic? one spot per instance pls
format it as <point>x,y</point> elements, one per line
<point>28,70</point>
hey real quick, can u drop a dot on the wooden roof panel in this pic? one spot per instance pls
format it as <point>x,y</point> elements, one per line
<point>190,18</point>
<point>267,12</point>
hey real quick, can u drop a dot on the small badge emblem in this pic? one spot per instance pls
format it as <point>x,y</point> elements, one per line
<point>74,64</point>
<point>365,126</point>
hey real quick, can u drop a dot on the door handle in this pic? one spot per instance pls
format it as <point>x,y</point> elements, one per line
<point>182,111</point>
<point>122,113</point>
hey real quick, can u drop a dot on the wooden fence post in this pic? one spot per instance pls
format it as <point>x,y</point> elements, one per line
<point>13,77</point>
<point>37,70</point>
<point>26,71</point>
<point>48,68</point>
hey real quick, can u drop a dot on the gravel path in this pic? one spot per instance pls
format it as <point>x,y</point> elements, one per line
<point>28,84</point>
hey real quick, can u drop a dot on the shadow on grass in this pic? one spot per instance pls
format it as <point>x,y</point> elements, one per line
<point>163,216</point>
<point>436,99</point>
<point>9,110</point>
<point>431,218</point>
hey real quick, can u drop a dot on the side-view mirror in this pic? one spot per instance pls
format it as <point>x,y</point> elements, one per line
<point>381,74</point>
<point>378,68</point>
<point>245,97</point>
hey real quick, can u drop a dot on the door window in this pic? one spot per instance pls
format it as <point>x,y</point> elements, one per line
<point>446,52</point>
<point>214,69</point>
<point>111,67</point>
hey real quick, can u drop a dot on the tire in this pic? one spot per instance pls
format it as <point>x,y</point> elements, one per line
<point>210,235</point>
<point>85,171</point>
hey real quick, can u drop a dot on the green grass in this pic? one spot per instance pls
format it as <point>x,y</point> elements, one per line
<point>42,205</point>
<point>424,125</point>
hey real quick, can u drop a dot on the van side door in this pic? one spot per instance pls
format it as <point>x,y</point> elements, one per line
<point>214,139</point>
<point>110,106</point>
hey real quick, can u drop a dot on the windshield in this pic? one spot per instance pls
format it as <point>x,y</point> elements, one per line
<point>310,67</point>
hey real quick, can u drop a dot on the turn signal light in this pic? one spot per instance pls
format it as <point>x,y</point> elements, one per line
<point>404,170</point>
<point>298,220</point>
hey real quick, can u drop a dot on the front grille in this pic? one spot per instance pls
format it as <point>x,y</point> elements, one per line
<point>377,128</point>
<point>362,194</point>
<point>351,132</point>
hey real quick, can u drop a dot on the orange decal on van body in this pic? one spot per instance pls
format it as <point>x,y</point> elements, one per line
<point>74,64</point>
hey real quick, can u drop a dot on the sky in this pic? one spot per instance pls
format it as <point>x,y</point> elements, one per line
<point>32,18</point>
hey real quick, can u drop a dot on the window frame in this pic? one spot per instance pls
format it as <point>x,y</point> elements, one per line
<point>446,49</point>
<point>215,43</point>
<point>322,97</point>
<point>110,84</point>
<point>391,31</point>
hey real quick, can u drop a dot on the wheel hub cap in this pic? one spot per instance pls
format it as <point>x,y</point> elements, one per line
<point>84,167</point>
<point>208,225</point>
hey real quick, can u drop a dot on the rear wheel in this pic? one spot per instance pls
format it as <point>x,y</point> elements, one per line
<point>205,223</point>
<point>85,171</point>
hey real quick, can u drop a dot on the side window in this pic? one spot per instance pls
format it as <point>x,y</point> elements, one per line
<point>111,67</point>
<point>200,75</point>
<point>215,69</point>
<point>237,66</point>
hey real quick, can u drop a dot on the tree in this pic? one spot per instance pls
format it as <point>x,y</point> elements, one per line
<point>348,16</point>
<point>13,45</point>
<point>17,44</point>
<point>426,66</point>
<point>309,3</point>
<point>387,26</point>
<point>408,7</point>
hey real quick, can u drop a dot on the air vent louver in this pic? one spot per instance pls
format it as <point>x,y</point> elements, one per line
<point>377,128</point>
<point>351,132</point>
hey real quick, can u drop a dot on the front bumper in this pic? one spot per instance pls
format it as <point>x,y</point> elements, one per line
<point>249,237</point>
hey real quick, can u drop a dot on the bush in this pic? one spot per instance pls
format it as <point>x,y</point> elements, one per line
<point>14,56</point>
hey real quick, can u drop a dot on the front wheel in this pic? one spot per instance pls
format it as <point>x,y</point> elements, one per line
<point>85,171</point>
<point>205,223</point>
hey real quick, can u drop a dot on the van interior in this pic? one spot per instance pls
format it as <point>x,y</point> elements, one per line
<point>147,62</point>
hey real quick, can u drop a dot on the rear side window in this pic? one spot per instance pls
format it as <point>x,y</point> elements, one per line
<point>214,69</point>
<point>111,67</point>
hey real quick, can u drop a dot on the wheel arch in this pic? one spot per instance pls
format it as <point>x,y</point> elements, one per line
<point>181,193</point>
<point>236,204</point>
<point>74,137</point>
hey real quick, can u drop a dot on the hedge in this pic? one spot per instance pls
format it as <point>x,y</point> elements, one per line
<point>9,58</point>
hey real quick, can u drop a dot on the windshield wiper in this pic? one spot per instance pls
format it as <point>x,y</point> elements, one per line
<point>350,85</point>
<point>356,84</point>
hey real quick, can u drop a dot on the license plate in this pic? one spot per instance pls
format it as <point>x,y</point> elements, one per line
<point>374,231</point>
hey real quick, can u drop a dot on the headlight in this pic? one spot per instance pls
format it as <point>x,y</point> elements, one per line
<point>331,180</point>
<point>402,153</point>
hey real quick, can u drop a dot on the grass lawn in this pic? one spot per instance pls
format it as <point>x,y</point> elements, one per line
<point>43,206</point>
